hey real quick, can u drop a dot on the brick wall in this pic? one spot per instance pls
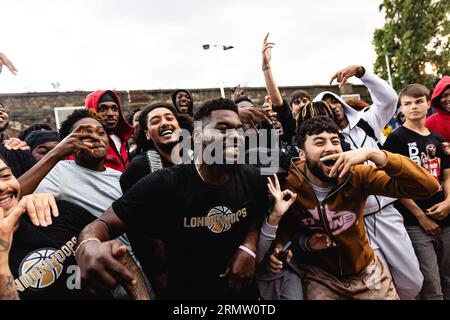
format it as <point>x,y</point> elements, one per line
<point>25,109</point>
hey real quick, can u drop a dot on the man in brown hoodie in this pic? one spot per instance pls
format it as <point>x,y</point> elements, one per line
<point>336,258</point>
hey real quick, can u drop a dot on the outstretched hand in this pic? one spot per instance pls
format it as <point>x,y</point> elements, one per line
<point>267,50</point>
<point>342,75</point>
<point>281,205</point>
<point>5,61</point>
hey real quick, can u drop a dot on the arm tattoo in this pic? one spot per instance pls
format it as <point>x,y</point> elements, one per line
<point>8,288</point>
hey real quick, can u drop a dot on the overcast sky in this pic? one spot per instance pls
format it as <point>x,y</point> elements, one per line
<point>146,44</point>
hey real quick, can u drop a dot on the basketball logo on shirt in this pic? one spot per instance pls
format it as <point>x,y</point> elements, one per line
<point>220,225</point>
<point>37,272</point>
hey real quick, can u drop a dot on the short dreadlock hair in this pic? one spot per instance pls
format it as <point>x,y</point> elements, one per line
<point>77,115</point>
<point>313,110</point>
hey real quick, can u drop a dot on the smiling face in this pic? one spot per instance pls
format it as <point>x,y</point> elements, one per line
<point>162,127</point>
<point>4,118</point>
<point>316,147</point>
<point>223,130</point>
<point>338,110</point>
<point>182,102</point>
<point>9,189</point>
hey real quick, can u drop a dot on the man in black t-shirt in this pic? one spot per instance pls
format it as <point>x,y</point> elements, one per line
<point>427,221</point>
<point>39,261</point>
<point>208,213</point>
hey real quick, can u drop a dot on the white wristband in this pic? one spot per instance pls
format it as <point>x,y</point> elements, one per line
<point>250,252</point>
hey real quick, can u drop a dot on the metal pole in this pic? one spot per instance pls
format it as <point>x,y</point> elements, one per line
<point>388,67</point>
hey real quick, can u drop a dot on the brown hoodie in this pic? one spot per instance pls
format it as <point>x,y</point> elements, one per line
<point>340,215</point>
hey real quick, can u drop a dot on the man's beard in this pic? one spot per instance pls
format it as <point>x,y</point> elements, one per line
<point>4,127</point>
<point>318,173</point>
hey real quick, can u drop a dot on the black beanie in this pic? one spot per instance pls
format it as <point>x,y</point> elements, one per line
<point>108,97</point>
<point>36,138</point>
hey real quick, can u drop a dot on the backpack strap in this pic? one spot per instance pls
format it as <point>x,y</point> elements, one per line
<point>154,160</point>
<point>365,126</point>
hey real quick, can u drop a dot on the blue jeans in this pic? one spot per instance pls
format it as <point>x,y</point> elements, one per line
<point>433,253</point>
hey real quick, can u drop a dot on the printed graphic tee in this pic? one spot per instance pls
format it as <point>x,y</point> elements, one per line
<point>425,151</point>
<point>202,225</point>
<point>41,259</point>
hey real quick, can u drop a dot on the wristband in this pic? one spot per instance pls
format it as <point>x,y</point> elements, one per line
<point>265,67</point>
<point>84,242</point>
<point>250,252</point>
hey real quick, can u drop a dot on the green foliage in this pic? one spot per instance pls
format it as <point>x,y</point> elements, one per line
<point>416,37</point>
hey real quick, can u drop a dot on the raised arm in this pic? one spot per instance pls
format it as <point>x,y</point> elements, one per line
<point>5,61</point>
<point>383,95</point>
<point>271,86</point>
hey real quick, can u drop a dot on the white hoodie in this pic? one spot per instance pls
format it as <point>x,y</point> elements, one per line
<point>377,116</point>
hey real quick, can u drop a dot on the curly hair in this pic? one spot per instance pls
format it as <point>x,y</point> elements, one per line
<point>77,115</point>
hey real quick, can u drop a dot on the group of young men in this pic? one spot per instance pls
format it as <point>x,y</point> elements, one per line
<point>187,215</point>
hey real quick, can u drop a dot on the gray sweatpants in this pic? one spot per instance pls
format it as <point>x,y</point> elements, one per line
<point>434,256</point>
<point>391,243</point>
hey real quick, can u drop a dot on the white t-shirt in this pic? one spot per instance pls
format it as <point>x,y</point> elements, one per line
<point>92,190</point>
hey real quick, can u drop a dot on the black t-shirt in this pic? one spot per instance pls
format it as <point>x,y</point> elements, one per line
<point>284,115</point>
<point>425,151</point>
<point>41,259</point>
<point>136,170</point>
<point>202,226</point>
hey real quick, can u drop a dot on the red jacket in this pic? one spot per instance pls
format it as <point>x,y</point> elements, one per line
<point>114,159</point>
<point>440,121</point>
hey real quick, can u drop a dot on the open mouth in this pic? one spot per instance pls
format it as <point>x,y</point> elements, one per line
<point>6,198</point>
<point>166,133</point>
<point>328,164</point>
